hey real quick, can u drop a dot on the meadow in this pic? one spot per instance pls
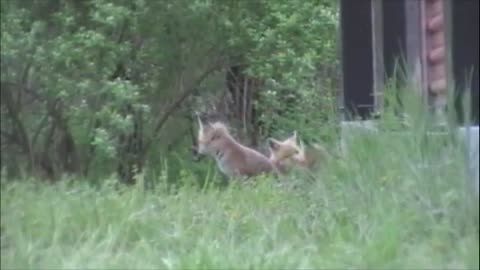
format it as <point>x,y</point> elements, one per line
<point>394,202</point>
<point>93,91</point>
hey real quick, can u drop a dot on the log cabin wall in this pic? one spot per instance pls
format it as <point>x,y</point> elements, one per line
<point>436,61</point>
<point>376,34</point>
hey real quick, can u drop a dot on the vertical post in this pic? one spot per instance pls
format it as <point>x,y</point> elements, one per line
<point>435,46</point>
<point>415,46</point>
<point>423,53</point>
<point>448,44</point>
<point>377,52</point>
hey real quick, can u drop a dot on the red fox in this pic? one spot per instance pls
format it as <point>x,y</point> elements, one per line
<point>288,153</point>
<point>282,152</point>
<point>310,157</point>
<point>233,158</point>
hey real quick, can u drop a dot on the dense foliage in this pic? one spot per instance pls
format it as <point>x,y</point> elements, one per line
<point>96,87</point>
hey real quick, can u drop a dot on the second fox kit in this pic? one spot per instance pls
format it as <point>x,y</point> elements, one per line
<point>233,158</point>
<point>282,153</point>
<point>288,153</point>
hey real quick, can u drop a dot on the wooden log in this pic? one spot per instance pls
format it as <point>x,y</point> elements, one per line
<point>435,23</point>
<point>437,72</point>
<point>415,45</point>
<point>436,55</point>
<point>437,39</point>
<point>438,86</point>
<point>435,7</point>
<point>378,53</point>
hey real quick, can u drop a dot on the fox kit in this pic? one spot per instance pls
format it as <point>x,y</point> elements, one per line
<point>282,152</point>
<point>233,158</point>
<point>309,158</point>
<point>289,153</point>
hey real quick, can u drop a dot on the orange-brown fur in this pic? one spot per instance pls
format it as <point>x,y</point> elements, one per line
<point>282,152</point>
<point>306,158</point>
<point>287,154</point>
<point>233,158</point>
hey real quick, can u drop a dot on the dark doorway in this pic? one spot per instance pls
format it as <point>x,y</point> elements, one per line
<point>465,21</point>
<point>393,36</point>
<point>357,59</point>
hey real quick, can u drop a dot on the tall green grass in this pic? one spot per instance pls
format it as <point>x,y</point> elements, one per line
<point>397,200</point>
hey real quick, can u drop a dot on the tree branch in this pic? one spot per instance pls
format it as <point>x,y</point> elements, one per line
<point>176,104</point>
<point>39,128</point>
<point>23,83</point>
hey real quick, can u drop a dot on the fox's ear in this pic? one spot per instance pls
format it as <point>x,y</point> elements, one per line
<point>293,137</point>
<point>202,120</point>
<point>273,144</point>
<point>302,146</point>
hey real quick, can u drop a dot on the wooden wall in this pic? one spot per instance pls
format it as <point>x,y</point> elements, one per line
<point>378,34</point>
<point>435,54</point>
